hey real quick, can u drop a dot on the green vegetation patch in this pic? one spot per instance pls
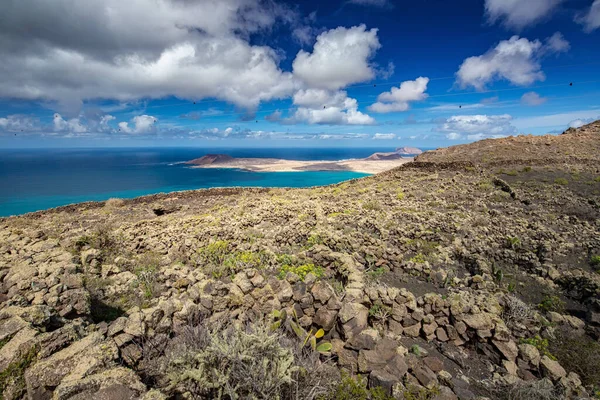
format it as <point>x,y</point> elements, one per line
<point>13,375</point>
<point>561,181</point>
<point>301,270</point>
<point>541,344</point>
<point>552,303</point>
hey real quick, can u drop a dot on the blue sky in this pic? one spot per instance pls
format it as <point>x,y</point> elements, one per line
<point>263,73</point>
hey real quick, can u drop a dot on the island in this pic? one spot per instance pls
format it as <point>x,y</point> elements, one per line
<point>377,162</point>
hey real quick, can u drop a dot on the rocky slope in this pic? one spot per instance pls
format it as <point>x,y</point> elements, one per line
<point>472,272</point>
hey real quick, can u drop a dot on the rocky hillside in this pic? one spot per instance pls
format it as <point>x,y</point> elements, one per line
<point>471,273</point>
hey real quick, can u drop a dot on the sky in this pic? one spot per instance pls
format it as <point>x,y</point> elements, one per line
<point>262,73</point>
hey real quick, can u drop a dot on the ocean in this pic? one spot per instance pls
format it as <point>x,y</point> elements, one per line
<point>38,179</point>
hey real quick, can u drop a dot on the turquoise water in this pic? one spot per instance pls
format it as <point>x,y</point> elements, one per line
<point>32,180</point>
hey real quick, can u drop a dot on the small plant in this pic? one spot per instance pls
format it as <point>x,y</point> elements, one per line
<point>310,338</point>
<point>595,262</point>
<point>380,312</point>
<point>418,259</point>
<point>400,194</point>
<point>541,344</point>
<point>146,273</point>
<point>372,205</point>
<point>13,375</point>
<point>242,260</point>
<point>350,388</point>
<point>214,253</point>
<point>552,303</point>
<point>561,181</point>
<point>416,350</point>
<point>497,273</point>
<point>301,270</point>
<point>279,318</point>
<point>314,240</point>
<point>513,243</point>
<point>526,169</point>
<point>374,274</point>
<point>597,179</point>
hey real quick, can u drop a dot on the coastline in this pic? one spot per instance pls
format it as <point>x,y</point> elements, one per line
<point>282,165</point>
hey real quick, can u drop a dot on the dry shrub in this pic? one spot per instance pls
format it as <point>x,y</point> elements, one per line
<point>237,362</point>
<point>516,311</point>
<point>526,390</point>
<point>114,203</point>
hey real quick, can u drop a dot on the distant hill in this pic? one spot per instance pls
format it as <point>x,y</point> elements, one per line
<point>408,150</point>
<point>384,156</point>
<point>211,159</point>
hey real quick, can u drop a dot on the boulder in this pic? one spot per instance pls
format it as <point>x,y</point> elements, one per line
<point>115,384</point>
<point>509,349</point>
<point>480,321</point>
<point>325,318</point>
<point>322,292</point>
<point>354,318</point>
<point>530,354</point>
<point>552,369</point>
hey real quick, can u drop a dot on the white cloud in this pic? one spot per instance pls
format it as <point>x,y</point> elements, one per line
<point>555,120</point>
<point>141,124</point>
<point>590,19</point>
<point>557,43</point>
<point>398,98</point>
<point>320,106</point>
<point>384,136</point>
<point>532,99</point>
<point>18,123</point>
<point>126,50</point>
<point>72,125</point>
<point>518,14</point>
<point>340,57</point>
<point>516,60</point>
<point>476,127</point>
<point>453,136</point>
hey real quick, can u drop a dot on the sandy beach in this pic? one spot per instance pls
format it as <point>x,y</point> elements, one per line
<point>279,165</point>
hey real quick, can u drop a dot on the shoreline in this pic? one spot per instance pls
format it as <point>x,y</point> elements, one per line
<point>281,165</point>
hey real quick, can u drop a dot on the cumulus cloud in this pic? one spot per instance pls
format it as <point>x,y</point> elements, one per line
<point>398,98</point>
<point>69,50</point>
<point>532,99</point>
<point>340,57</point>
<point>476,127</point>
<point>591,18</point>
<point>72,125</point>
<point>18,123</point>
<point>140,124</point>
<point>516,60</point>
<point>518,14</point>
<point>384,136</point>
<point>320,106</point>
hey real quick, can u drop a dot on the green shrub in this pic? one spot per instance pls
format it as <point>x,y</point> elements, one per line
<point>552,303</point>
<point>513,242</point>
<point>245,259</point>
<point>400,195</point>
<point>214,253</point>
<point>301,270</point>
<point>541,344</point>
<point>526,169</point>
<point>595,262</point>
<point>418,259</point>
<point>349,388</point>
<point>313,240</point>
<point>374,274</point>
<point>561,181</point>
